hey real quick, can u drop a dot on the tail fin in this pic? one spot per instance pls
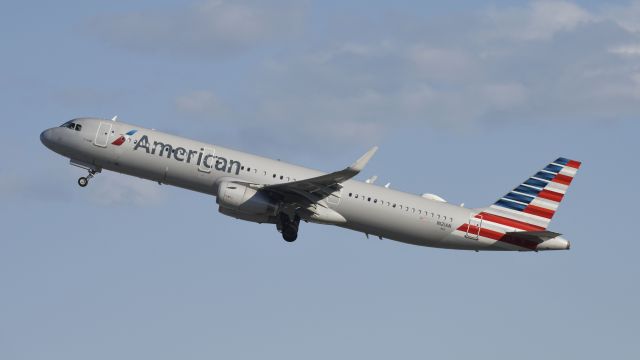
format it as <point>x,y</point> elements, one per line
<point>531,205</point>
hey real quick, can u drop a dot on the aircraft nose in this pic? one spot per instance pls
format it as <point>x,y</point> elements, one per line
<point>45,138</point>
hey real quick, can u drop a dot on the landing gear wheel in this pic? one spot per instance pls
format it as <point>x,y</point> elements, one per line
<point>288,228</point>
<point>84,181</point>
<point>290,234</point>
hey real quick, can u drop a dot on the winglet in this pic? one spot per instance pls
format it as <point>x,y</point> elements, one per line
<point>364,159</point>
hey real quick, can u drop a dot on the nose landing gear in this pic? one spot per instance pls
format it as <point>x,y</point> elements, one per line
<point>84,181</point>
<point>91,168</point>
<point>288,227</point>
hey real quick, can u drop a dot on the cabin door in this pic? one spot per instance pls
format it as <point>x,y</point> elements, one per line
<point>102,136</point>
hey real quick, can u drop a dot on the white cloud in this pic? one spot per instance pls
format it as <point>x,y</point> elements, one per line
<point>626,50</point>
<point>201,102</point>
<point>540,20</point>
<point>543,61</point>
<point>627,16</point>
<point>212,28</point>
<point>110,189</point>
<point>505,96</point>
<point>441,64</point>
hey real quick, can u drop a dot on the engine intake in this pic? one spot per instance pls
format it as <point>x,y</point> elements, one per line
<point>243,199</point>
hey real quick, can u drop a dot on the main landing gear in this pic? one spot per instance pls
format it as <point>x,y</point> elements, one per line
<point>288,227</point>
<point>84,181</point>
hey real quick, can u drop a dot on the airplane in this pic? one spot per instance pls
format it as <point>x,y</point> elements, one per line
<point>263,190</point>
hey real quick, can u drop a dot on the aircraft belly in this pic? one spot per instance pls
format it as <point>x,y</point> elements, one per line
<point>396,227</point>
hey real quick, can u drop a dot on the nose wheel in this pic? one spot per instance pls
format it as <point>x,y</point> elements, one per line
<point>84,181</point>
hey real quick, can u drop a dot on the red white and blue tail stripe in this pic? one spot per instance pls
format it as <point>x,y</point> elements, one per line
<point>529,207</point>
<point>532,204</point>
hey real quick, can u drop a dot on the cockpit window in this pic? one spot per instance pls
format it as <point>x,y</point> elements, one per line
<point>71,125</point>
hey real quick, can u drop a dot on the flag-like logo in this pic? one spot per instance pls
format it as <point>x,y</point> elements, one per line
<point>123,137</point>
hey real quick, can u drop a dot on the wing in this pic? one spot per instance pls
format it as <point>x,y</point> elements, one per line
<point>317,188</point>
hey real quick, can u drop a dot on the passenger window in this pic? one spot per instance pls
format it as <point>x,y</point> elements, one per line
<point>369,199</point>
<point>356,196</point>
<point>274,176</point>
<point>394,205</point>
<point>281,177</point>
<point>375,201</point>
<point>350,194</point>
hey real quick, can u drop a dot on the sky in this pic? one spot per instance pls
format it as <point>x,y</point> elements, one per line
<point>466,99</point>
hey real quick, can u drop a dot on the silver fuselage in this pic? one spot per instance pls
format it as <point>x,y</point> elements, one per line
<point>168,159</point>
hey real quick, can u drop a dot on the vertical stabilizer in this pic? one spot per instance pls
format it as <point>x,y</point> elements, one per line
<point>531,205</point>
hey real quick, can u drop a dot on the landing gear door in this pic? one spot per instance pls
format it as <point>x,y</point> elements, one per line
<point>102,136</point>
<point>473,230</point>
<point>206,163</point>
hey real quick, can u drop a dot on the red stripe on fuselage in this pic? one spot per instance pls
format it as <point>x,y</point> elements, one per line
<point>551,195</point>
<point>539,211</point>
<point>521,225</point>
<point>472,229</point>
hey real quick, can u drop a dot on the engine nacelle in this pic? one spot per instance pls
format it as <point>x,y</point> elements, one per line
<point>243,199</point>
<point>260,219</point>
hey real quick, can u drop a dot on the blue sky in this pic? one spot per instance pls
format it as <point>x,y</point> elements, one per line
<point>466,100</point>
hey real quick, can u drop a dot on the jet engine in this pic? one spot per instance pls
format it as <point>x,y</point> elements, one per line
<point>241,201</point>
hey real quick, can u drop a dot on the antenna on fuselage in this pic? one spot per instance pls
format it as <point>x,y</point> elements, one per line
<point>115,118</point>
<point>372,179</point>
<point>387,186</point>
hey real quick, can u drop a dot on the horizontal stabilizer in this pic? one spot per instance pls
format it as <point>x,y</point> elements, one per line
<point>529,237</point>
